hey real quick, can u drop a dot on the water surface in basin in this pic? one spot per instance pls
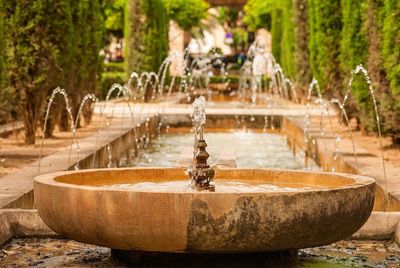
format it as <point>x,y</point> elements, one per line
<point>220,186</point>
<point>252,150</point>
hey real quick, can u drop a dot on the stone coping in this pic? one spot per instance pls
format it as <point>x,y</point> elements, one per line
<point>90,179</point>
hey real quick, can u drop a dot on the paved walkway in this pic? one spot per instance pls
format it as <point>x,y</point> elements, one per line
<point>16,188</point>
<point>365,163</point>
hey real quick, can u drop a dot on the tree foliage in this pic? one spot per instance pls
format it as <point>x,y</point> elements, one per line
<point>391,45</point>
<point>325,30</point>
<point>114,15</point>
<point>33,56</point>
<point>186,13</point>
<point>353,51</point>
<point>301,37</point>
<point>50,43</point>
<point>288,42</point>
<point>146,35</point>
<point>257,14</point>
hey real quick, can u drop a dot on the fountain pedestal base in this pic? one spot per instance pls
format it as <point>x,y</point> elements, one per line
<point>161,259</point>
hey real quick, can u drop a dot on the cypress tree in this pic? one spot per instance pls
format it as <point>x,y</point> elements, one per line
<point>324,45</point>
<point>276,32</point>
<point>384,61</point>
<point>2,48</point>
<point>85,74</point>
<point>301,53</point>
<point>288,39</point>
<point>5,103</point>
<point>62,35</point>
<point>353,51</point>
<point>33,55</point>
<point>391,45</point>
<point>146,35</point>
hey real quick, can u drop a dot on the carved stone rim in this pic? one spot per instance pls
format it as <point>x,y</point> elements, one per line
<point>60,179</point>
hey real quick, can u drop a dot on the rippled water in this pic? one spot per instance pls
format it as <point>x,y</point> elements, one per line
<point>220,186</point>
<point>252,150</point>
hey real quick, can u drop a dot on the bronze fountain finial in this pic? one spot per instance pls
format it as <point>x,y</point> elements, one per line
<point>201,174</point>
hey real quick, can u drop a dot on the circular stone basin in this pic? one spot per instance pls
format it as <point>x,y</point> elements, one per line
<point>252,210</point>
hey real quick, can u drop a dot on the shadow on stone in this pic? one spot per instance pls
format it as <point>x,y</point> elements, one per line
<point>231,260</point>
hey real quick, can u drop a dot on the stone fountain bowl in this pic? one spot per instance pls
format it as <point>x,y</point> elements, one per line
<point>73,205</point>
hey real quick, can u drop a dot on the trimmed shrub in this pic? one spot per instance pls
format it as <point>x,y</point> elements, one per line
<point>375,17</point>
<point>391,45</point>
<point>288,40</point>
<point>114,67</point>
<point>324,45</point>
<point>353,51</point>
<point>108,79</point>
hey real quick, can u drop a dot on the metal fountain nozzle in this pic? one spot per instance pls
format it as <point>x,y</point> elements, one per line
<point>201,174</point>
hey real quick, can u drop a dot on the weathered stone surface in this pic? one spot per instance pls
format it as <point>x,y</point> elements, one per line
<point>397,235</point>
<point>72,205</point>
<point>22,223</point>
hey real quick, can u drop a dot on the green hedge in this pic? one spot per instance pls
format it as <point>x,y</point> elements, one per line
<point>287,42</point>
<point>331,38</point>
<point>324,45</point>
<point>353,51</point>
<point>108,79</point>
<point>114,67</point>
<point>391,45</point>
<point>389,18</point>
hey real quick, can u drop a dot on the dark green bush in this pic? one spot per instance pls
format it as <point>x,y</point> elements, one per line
<point>220,79</point>
<point>108,79</point>
<point>114,67</point>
